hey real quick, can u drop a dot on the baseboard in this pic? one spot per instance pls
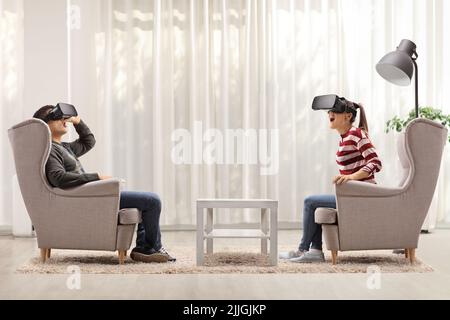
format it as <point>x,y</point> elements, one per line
<point>443,225</point>
<point>5,230</point>
<point>281,226</point>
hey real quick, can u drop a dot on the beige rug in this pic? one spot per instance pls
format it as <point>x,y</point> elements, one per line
<point>226,260</point>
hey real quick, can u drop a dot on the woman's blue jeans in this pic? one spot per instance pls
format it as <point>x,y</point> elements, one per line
<point>312,232</point>
<point>148,233</point>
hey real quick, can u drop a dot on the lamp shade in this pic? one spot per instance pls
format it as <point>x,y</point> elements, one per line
<point>397,67</point>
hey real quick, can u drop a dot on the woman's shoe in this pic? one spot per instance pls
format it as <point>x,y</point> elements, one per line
<point>309,257</point>
<point>291,254</point>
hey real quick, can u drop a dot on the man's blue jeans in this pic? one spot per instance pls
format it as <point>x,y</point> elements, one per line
<point>148,233</point>
<point>312,232</point>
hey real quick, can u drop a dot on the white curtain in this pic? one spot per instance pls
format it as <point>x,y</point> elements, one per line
<point>163,65</point>
<point>139,70</point>
<point>11,94</point>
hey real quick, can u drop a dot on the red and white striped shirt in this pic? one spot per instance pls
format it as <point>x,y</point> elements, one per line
<point>356,152</point>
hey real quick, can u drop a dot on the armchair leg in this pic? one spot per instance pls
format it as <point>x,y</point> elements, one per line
<point>49,253</point>
<point>43,255</point>
<point>412,255</point>
<point>334,254</point>
<point>406,253</point>
<point>121,256</point>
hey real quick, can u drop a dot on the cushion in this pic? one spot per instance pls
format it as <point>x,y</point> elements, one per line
<point>325,216</point>
<point>130,216</point>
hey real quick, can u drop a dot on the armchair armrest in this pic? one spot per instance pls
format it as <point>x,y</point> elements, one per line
<point>365,189</point>
<point>101,188</point>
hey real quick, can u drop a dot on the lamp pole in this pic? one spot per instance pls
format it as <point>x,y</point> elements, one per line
<point>416,76</point>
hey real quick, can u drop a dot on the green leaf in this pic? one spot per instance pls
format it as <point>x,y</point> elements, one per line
<point>427,112</point>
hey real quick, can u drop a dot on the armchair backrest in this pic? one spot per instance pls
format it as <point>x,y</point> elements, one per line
<point>30,142</point>
<point>406,164</point>
<point>420,150</point>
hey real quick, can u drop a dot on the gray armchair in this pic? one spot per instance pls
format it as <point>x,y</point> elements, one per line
<point>82,218</point>
<point>372,217</point>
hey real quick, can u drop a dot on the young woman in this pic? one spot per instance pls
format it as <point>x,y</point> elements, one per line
<point>357,160</point>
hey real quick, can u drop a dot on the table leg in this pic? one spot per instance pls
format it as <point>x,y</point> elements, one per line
<point>209,228</point>
<point>264,229</point>
<point>200,226</point>
<point>274,236</point>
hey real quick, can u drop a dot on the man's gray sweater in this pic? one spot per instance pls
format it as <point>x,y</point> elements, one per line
<point>63,168</point>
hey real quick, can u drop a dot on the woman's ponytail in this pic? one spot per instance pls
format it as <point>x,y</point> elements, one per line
<point>362,118</point>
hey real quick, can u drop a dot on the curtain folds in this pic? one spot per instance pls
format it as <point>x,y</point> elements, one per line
<point>165,65</point>
<point>141,69</point>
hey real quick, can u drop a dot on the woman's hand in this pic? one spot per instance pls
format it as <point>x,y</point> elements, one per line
<point>105,177</point>
<point>342,178</point>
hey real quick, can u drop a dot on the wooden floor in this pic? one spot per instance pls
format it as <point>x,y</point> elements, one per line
<point>434,249</point>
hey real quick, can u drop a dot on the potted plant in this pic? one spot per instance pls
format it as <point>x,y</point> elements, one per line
<point>398,124</point>
<point>430,113</point>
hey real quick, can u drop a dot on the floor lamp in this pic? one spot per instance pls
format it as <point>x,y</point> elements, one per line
<point>398,67</point>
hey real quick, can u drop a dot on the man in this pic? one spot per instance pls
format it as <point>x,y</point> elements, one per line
<point>64,170</point>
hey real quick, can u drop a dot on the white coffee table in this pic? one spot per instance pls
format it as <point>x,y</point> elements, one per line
<point>264,233</point>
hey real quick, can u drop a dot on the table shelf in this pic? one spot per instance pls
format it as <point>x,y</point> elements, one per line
<point>236,233</point>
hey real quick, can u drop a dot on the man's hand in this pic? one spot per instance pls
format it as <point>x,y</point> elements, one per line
<point>340,179</point>
<point>75,120</point>
<point>104,177</point>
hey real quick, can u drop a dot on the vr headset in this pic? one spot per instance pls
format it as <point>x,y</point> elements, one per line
<point>332,102</point>
<point>61,111</point>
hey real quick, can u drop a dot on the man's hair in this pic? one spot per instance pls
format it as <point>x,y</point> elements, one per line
<point>43,112</point>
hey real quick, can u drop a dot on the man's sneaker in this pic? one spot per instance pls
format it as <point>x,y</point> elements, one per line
<point>143,254</point>
<point>291,254</point>
<point>164,251</point>
<point>310,256</point>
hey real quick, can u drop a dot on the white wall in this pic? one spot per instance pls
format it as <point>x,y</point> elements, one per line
<point>11,97</point>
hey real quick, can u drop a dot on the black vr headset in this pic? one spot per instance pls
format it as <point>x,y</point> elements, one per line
<point>61,111</point>
<point>332,102</point>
